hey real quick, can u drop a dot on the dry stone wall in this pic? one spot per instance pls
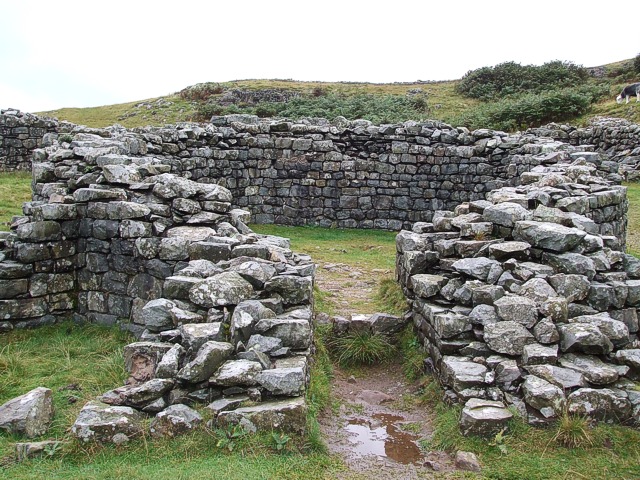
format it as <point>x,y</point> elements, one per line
<point>351,173</point>
<point>223,314</point>
<point>20,134</point>
<point>522,300</point>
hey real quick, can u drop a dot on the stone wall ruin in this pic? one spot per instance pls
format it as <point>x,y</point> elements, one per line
<point>138,228</point>
<point>521,301</point>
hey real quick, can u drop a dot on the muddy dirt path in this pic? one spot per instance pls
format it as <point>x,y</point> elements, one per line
<point>375,423</point>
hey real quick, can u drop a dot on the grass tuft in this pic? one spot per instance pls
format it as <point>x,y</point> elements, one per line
<point>573,431</point>
<point>361,348</point>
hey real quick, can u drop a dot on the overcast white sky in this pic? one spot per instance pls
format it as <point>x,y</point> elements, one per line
<point>67,53</point>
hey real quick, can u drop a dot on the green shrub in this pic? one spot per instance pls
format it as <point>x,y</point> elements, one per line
<point>510,77</point>
<point>533,109</point>
<point>376,108</point>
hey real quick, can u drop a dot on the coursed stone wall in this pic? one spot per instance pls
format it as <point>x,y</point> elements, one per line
<point>20,134</point>
<point>528,304</point>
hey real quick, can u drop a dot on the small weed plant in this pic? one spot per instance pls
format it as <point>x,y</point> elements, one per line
<point>280,440</point>
<point>361,348</point>
<point>228,437</point>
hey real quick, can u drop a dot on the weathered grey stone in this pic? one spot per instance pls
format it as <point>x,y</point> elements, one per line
<point>564,378</point>
<point>294,332</point>
<point>175,420</point>
<point>156,314</point>
<point>506,214</point>
<point>29,414</point>
<point>536,354</point>
<point>595,371</point>
<point>283,415</point>
<point>142,358</point>
<point>283,381</point>
<point>227,403</point>
<point>200,269</point>
<point>138,395</point>
<point>208,359</point>
<point>571,263</point>
<point>573,287</point>
<point>426,286</point>
<point>294,290</point>
<point>226,288</point>
<point>171,362</point>
<point>549,236</point>
<point>537,289</point>
<point>192,234</point>
<point>386,323</point>
<point>507,337</point>
<point>194,335</point>
<point>603,404</point>
<point>25,451</point>
<point>475,267</point>
<point>409,241</point>
<point>44,231</point>
<point>264,344</point>
<point>555,309</point>
<point>517,309</point>
<point>245,316</point>
<point>630,358</point>
<point>616,331</point>
<point>483,315</point>
<point>484,418</point>
<point>236,372</point>
<point>449,324</point>
<point>505,250</point>
<point>545,397</point>
<point>100,423</point>
<point>256,273</point>
<point>584,338</point>
<point>467,461</point>
<point>460,373</point>
<point>545,331</point>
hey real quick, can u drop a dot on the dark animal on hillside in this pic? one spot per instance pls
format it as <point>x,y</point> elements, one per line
<point>629,91</point>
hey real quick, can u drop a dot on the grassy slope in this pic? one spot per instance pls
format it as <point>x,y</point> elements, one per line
<point>443,102</point>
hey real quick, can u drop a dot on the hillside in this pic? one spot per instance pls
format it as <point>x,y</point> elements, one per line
<point>381,103</point>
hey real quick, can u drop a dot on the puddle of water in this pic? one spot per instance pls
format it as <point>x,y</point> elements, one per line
<point>382,437</point>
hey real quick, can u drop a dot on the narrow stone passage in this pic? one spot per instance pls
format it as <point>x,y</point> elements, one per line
<point>376,422</point>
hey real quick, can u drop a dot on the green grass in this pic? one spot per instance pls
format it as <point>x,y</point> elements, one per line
<point>534,453</point>
<point>15,189</point>
<point>633,219</point>
<point>58,356</point>
<point>128,115</point>
<point>373,249</point>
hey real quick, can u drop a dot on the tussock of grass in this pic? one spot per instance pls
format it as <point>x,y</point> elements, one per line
<point>573,431</point>
<point>361,348</point>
